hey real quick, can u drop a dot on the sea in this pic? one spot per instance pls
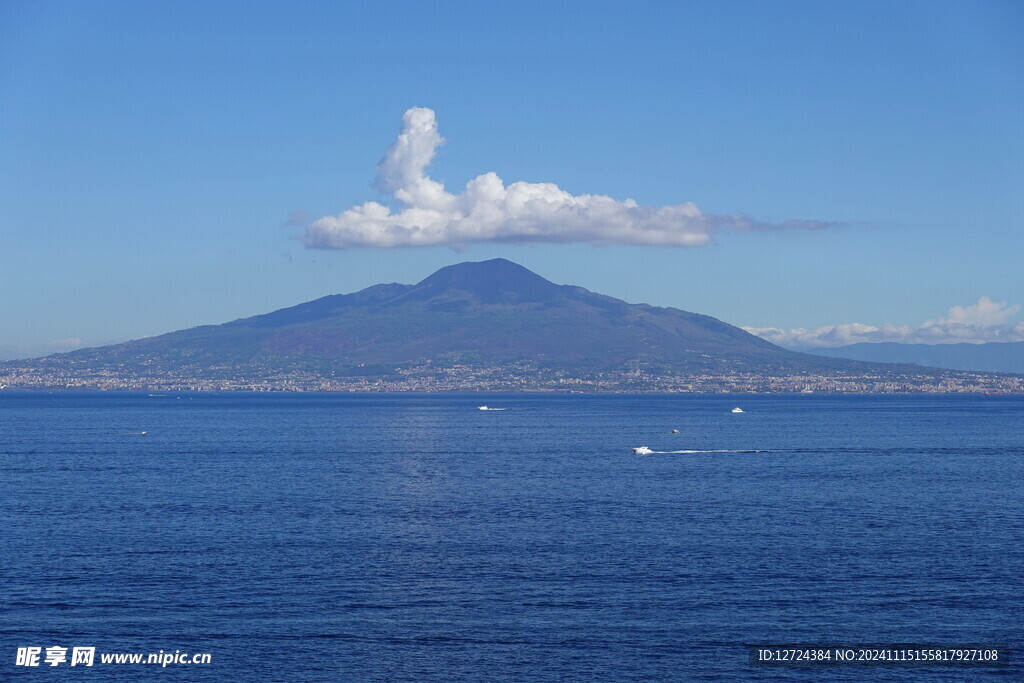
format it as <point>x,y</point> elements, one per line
<point>414,537</point>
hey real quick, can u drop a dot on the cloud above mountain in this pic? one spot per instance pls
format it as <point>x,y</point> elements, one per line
<point>487,210</point>
<point>985,313</point>
<point>983,321</point>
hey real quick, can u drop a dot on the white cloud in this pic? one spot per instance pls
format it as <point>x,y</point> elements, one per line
<point>489,211</point>
<point>985,313</point>
<point>984,321</point>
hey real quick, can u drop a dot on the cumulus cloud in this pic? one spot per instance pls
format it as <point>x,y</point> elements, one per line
<point>984,321</point>
<point>985,313</point>
<point>489,211</point>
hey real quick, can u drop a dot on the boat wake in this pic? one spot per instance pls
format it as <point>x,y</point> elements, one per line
<point>718,450</point>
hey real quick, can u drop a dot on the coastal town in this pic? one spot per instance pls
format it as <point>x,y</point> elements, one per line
<point>64,374</point>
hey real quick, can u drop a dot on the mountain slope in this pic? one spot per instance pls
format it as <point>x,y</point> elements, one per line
<point>471,325</point>
<point>487,312</point>
<point>991,357</point>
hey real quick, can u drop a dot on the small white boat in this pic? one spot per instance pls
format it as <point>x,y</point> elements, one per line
<point>737,410</point>
<point>642,450</point>
<point>482,408</point>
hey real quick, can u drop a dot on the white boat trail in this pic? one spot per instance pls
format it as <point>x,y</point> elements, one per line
<point>644,450</point>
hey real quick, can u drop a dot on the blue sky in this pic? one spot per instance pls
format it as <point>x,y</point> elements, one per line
<point>152,153</point>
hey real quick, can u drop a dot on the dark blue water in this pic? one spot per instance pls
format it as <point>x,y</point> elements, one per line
<point>414,537</point>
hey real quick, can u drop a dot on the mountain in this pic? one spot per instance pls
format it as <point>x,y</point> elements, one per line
<point>471,325</point>
<point>990,357</point>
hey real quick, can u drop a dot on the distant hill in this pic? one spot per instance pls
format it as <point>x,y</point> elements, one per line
<point>470,325</point>
<point>485,312</point>
<point>991,357</point>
